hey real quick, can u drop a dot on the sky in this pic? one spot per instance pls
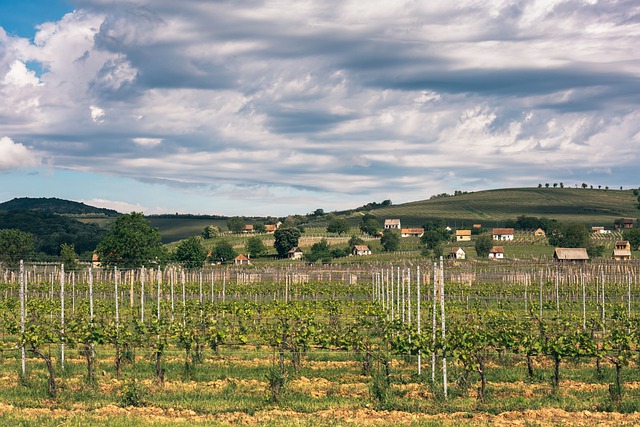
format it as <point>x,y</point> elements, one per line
<point>272,107</point>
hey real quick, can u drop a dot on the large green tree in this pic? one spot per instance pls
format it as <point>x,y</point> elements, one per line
<point>633,236</point>
<point>390,240</point>
<point>235,224</point>
<point>286,238</point>
<point>338,225</point>
<point>131,242</point>
<point>569,236</point>
<point>68,256</point>
<point>370,224</point>
<point>483,245</point>
<point>15,245</point>
<point>190,253</point>
<point>255,247</point>
<point>223,252</point>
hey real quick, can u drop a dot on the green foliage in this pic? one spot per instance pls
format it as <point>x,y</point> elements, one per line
<point>54,205</point>
<point>190,253</point>
<point>235,224</point>
<point>210,231</point>
<point>223,252</point>
<point>259,227</point>
<point>319,251</point>
<point>286,238</point>
<point>255,247</point>
<point>338,225</point>
<point>595,251</point>
<point>569,236</point>
<point>370,224</point>
<point>132,394</point>
<point>390,240</point>
<point>15,245</point>
<point>68,256</point>
<point>483,245</point>
<point>633,236</point>
<point>131,242</point>
<point>353,241</point>
<point>50,230</point>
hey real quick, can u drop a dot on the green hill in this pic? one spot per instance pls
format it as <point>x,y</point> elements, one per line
<point>492,207</point>
<point>54,206</point>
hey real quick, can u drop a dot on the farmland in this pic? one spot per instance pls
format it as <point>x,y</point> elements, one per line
<point>323,345</point>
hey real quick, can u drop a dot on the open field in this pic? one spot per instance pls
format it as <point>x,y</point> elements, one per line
<point>545,343</point>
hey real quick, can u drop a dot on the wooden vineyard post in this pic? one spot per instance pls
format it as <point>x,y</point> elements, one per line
<point>444,331</point>
<point>541,294</point>
<point>418,316</point>
<point>62,315</point>
<point>172,284</point>
<point>393,310</point>
<point>23,353</point>
<point>184,299</point>
<point>159,290</point>
<point>433,335</point>
<point>584,303</point>
<point>142,279</point>
<point>200,299</point>
<point>409,296</point>
<point>602,293</point>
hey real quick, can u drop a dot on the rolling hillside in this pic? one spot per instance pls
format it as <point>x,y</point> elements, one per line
<point>490,208</point>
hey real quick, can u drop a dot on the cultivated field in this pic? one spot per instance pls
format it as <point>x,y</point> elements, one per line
<point>514,343</point>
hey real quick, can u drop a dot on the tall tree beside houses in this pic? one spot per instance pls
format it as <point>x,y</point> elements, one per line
<point>285,239</point>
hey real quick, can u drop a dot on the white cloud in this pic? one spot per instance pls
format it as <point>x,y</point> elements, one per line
<point>15,155</point>
<point>147,142</point>
<point>122,207</point>
<point>20,76</point>
<point>97,114</point>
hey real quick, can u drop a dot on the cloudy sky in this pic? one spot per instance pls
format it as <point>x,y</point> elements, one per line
<point>275,107</point>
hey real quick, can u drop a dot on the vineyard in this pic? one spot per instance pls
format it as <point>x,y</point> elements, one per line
<point>427,344</point>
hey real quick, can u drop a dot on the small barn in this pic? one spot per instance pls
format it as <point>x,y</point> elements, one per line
<point>361,250</point>
<point>241,260</point>
<point>496,252</point>
<point>539,233</point>
<point>295,253</point>
<point>457,253</point>
<point>571,254</point>
<point>392,224</point>
<point>463,235</point>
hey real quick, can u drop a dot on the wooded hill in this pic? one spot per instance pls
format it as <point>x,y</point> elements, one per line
<point>55,206</point>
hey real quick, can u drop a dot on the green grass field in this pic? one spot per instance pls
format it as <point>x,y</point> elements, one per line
<point>490,208</point>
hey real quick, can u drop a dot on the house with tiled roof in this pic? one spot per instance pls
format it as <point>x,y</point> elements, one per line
<point>502,233</point>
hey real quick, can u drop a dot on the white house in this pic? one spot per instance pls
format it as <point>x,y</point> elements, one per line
<point>496,252</point>
<point>463,235</point>
<point>361,250</point>
<point>392,223</point>
<point>457,253</point>
<point>295,253</point>
<point>412,232</point>
<point>502,233</point>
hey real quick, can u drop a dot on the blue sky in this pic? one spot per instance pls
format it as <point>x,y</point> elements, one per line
<point>263,107</point>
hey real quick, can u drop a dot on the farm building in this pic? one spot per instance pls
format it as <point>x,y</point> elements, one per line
<point>539,233</point>
<point>391,224</point>
<point>361,250</point>
<point>621,254</point>
<point>463,235</point>
<point>496,252</point>
<point>412,232</point>
<point>271,228</point>
<point>295,253</point>
<point>457,253</point>
<point>571,254</point>
<point>502,233</point>
<point>477,226</point>
<point>623,223</point>
<point>599,230</point>
<point>241,260</point>
<point>248,228</point>
<point>623,244</point>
